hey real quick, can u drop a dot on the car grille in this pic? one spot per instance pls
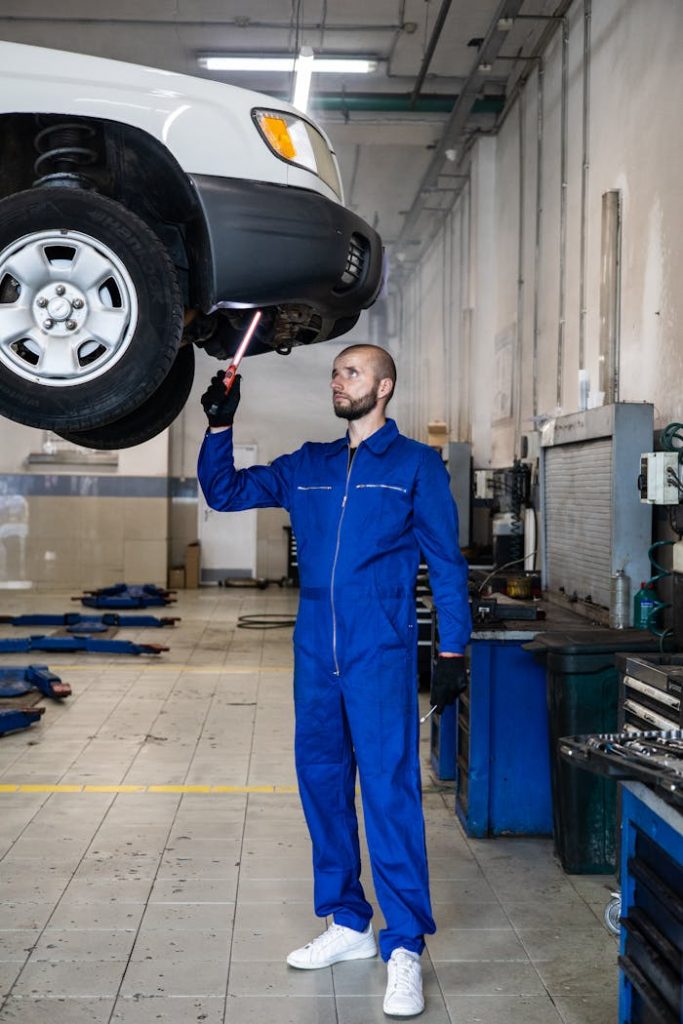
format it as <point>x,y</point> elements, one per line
<point>355,264</point>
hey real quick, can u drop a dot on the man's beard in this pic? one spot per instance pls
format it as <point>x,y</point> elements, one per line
<point>355,408</point>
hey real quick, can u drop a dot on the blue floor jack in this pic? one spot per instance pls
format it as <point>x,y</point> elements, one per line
<point>77,623</point>
<point>122,595</point>
<point>92,644</point>
<point>12,719</point>
<point>17,680</point>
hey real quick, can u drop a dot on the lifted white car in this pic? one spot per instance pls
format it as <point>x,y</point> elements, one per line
<point>144,212</point>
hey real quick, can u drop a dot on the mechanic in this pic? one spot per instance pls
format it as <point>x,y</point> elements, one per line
<point>362,509</point>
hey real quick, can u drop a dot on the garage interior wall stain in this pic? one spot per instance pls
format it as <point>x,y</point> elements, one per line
<point>635,85</point>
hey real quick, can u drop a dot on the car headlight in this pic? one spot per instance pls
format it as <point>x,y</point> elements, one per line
<point>298,142</point>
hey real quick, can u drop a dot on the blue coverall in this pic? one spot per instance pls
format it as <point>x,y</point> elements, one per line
<point>360,526</point>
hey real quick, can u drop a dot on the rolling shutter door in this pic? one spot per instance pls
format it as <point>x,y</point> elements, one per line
<point>579,516</point>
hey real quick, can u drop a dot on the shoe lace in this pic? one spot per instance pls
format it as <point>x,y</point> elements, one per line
<point>327,936</point>
<point>406,972</point>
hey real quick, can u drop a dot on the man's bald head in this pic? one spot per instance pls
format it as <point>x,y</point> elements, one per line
<point>383,365</point>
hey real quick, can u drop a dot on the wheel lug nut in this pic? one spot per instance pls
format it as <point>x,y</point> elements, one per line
<point>77,303</point>
<point>71,325</point>
<point>47,324</point>
<point>42,302</point>
<point>60,289</point>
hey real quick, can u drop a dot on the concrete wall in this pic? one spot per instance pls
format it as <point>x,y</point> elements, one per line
<point>634,146</point>
<point>81,525</point>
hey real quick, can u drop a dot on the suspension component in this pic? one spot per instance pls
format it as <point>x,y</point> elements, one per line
<point>64,149</point>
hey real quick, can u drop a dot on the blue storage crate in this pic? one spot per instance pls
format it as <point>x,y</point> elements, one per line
<point>502,747</point>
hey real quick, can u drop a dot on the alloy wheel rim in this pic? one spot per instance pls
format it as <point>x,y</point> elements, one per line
<point>68,308</point>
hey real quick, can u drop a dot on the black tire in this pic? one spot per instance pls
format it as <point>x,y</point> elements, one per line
<point>155,414</point>
<point>149,349</point>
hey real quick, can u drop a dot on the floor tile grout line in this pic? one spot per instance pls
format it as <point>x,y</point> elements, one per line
<point>244,828</point>
<point>54,909</point>
<point>92,738</point>
<point>162,710</point>
<point>129,958</point>
<point>444,802</point>
<point>438,982</point>
<point>508,918</point>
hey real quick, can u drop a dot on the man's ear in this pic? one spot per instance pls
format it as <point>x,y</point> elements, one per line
<point>385,387</point>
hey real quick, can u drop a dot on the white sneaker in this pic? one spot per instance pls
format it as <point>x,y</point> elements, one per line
<point>336,944</point>
<point>404,996</point>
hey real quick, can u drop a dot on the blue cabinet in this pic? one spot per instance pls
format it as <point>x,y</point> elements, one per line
<point>651,943</point>
<point>502,747</point>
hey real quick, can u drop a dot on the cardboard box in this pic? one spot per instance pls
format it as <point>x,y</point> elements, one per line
<point>176,577</point>
<point>437,433</point>
<point>192,562</point>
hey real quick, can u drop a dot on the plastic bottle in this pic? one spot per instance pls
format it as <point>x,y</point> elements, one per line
<point>620,600</point>
<point>643,604</point>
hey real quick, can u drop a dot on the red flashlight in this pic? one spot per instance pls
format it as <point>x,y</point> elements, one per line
<point>231,372</point>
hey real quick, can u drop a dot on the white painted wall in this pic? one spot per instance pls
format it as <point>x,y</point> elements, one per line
<point>636,89</point>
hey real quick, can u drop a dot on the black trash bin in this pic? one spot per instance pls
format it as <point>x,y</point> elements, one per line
<point>582,692</point>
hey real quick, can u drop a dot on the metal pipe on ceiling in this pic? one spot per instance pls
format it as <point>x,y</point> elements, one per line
<point>538,237</point>
<point>537,54</point>
<point>521,240</point>
<point>241,23</point>
<point>493,42</point>
<point>564,145</point>
<point>451,130</point>
<point>585,141</point>
<point>429,52</point>
<point>434,103</point>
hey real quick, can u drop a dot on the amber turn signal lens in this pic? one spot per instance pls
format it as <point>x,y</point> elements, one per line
<point>276,131</point>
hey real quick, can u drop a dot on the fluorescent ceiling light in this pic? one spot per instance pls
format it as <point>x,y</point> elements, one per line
<point>248,63</point>
<point>320,65</point>
<point>302,82</point>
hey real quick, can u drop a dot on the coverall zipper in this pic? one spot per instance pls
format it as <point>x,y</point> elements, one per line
<point>349,470</point>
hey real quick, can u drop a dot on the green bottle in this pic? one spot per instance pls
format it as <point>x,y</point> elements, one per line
<point>644,602</point>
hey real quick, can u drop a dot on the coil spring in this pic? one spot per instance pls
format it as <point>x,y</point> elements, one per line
<point>64,150</point>
<point>659,606</point>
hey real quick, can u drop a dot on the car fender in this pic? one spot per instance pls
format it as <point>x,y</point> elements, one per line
<point>207,126</point>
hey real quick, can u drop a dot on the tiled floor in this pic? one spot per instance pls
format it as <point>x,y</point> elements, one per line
<point>162,907</point>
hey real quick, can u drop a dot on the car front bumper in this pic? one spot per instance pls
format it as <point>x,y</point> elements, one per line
<point>274,245</point>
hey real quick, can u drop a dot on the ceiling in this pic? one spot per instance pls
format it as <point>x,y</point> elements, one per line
<point>391,160</point>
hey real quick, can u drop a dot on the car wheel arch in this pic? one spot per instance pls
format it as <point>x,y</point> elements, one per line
<point>132,167</point>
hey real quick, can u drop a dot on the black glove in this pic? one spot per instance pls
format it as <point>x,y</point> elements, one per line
<point>449,680</point>
<point>220,408</point>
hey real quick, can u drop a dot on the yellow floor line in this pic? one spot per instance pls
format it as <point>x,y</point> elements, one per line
<point>42,788</point>
<point>26,787</point>
<point>167,666</point>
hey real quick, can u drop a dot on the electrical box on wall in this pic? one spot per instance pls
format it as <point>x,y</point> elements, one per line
<point>659,480</point>
<point>530,447</point>
<point>483,484</point>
